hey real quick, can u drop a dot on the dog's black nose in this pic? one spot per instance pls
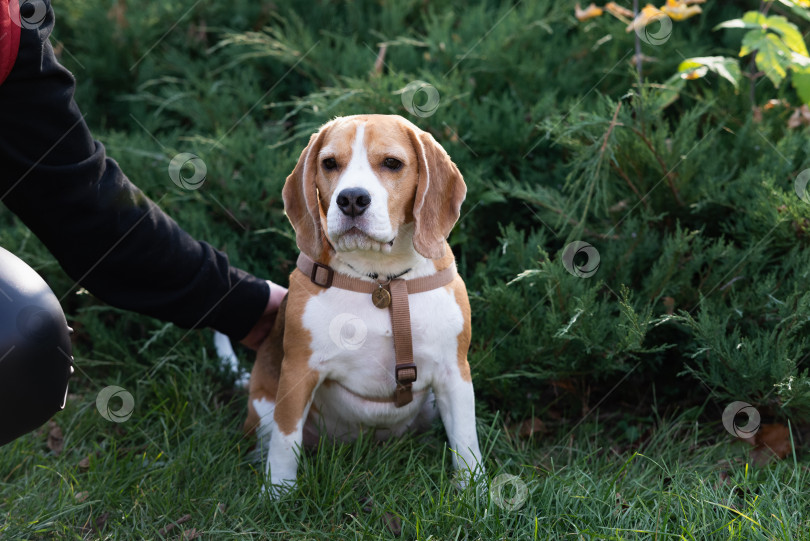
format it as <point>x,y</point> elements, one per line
<point>353,201</point>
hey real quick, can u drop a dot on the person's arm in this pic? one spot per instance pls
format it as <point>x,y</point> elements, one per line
<point>105,233</point>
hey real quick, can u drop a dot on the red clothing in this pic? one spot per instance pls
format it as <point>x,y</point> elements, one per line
<point>9,35</point>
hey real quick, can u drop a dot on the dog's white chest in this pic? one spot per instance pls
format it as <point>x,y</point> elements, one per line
<point>352,345</point>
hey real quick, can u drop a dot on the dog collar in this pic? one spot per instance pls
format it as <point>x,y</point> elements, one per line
<point>391,294</point>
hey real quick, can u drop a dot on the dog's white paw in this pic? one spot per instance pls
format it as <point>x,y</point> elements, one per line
<point>274,492</point>
<point>227,357</point>
<point>465,477</point>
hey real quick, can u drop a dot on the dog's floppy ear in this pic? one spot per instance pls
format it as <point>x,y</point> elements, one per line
<point>440,191</point>
<point>301,199</point>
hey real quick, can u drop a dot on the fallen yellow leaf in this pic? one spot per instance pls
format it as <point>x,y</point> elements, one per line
<point>772,441</point>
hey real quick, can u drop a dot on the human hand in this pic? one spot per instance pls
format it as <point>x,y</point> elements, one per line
<point>262,328</point>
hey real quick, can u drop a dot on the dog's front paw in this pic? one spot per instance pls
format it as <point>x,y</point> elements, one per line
<point>275,490</point>
<point>465,477</point>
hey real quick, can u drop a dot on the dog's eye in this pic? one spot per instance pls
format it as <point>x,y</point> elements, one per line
<point>330,164</point>
<point>392,163</point>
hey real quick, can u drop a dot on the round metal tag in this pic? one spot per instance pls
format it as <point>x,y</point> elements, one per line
<point>381,298</point>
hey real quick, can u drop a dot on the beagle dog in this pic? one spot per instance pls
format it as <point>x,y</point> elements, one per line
<point>372,201</point>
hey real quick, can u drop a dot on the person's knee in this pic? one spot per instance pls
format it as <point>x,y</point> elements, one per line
<point>35,351</point>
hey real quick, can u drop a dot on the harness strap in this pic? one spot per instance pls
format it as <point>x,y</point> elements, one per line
<point>399,308</point>
<point>326,277</point>
<point>405,369</point>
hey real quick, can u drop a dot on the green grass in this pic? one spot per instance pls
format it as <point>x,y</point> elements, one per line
<point>630,395</point>
<point>181,453</point>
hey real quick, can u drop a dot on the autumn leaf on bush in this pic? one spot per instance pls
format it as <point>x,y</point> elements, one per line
<point>800,117</point>
<point>776,42</point>
<point>619,12</point>
<point>648,14</point>
<point>678,11</point>
<point>589,12</point>
<point>772,55</point>
<point>801,82</point>
<point>695,68</point>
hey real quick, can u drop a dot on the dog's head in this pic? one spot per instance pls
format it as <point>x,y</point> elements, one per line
<point>373,183</point>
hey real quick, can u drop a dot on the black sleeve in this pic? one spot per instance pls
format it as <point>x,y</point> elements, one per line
<point>105,233</point>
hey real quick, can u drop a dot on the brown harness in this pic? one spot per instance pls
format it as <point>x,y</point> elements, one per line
<point>392,294</point>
